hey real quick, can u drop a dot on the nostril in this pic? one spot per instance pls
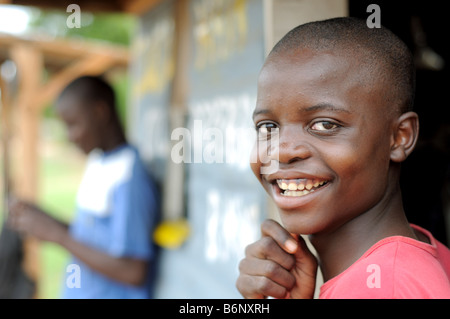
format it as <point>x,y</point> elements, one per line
<point>293,151</point>
<point>295,159</point>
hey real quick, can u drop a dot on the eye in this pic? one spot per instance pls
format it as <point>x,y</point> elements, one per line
<point>266,130</point>
<point>324,126</point>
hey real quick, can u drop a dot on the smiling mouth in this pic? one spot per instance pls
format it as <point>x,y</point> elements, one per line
<point>299,187</point>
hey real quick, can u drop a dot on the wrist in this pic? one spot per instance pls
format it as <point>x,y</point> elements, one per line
<point>62,236</point>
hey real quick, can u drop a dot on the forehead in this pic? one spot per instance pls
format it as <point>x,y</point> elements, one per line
<point>309,77</point>
<point>71,105</point>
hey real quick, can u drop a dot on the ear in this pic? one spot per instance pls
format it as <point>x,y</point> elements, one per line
<point>404,139</point>
<point>102,111</point>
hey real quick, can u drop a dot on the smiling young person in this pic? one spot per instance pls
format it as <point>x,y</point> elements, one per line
<point>338,96</point>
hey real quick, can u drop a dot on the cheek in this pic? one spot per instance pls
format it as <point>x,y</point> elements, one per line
<point>362,170</point>
<point>81,133</point>
<point>255,163</point>
<point>74,133</point>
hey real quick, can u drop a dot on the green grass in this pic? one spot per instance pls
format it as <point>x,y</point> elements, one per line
<point>60,171</point>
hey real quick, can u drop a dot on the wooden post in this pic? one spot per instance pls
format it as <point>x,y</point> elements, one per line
<point>5,135</point>
<point>29,64</point>
<point>173,200</point>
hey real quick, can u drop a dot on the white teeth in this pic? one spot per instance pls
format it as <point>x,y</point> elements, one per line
<point>298,187</point>
<point>282,185</point>
<point>296,193</point>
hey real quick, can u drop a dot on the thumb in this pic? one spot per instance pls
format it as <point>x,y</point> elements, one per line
<point>304,271</point>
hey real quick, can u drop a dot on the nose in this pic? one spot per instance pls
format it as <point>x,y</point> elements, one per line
<point>293,145</point>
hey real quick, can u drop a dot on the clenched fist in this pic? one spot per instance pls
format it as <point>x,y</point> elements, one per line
<point>278,265</point>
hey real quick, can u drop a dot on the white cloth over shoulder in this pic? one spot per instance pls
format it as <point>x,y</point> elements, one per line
<point>102,175</point>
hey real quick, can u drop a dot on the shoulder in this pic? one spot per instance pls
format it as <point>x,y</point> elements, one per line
<point>127,164</point>
<point>131,153</point>
<point>136,178</point>
<point>396,267</point>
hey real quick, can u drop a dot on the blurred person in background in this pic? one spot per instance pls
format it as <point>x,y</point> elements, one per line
<point>117,204</point>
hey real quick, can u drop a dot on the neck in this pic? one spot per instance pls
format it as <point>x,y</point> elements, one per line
<point>114,139</point>
<point>341,247</point>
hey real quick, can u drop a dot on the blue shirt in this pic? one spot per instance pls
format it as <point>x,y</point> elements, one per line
<point>117,208</point>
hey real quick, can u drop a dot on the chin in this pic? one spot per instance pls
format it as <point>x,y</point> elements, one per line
<point>302,221</point>
<point>299,223</point>
<point>84,149</point>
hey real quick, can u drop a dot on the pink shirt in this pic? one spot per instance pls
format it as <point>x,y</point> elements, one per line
<point>395,267</point>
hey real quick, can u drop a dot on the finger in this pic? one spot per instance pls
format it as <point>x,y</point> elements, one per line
<point>267,248</point>
<point>269,269</point>
<point>259,287</point>
<point>303,254</point>
<point>284,239</point>
<point>304,272</point>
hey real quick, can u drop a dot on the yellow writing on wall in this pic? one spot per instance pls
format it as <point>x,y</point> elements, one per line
<point>220,29</point>
<point>154,49</point>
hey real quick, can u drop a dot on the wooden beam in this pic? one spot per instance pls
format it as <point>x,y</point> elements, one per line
<point>139,7</point>
<point>94,64</point>
<point>67,49</point>
<point>129,6</point>
<point>87,59</point>
<point>87,5</point>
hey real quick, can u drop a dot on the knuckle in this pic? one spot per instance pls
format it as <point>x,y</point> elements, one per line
<point>271,228</point>
<point>266,243</point>
<point>288,261</point>
<point>271,269</point>
<point>260,248</point>
<point>249,249</point>
<point>264,285</point>
<point>242,265</point>
<point>239,284</point>
<point>266,225</point>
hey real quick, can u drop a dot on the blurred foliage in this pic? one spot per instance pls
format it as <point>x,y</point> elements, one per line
<point>112,27</point>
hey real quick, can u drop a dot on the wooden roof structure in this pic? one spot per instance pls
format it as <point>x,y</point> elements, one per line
<point>129,6</point>
<point>65,59</point>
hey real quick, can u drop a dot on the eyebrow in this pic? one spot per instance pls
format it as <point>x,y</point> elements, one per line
<point>310,109</point>
<point>263,111</point>
<point>325,106</point>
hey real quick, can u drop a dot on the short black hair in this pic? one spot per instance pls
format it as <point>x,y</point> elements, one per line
<point>91,89</point>
<point>379,50</point>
